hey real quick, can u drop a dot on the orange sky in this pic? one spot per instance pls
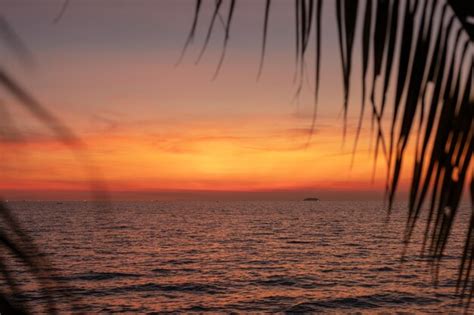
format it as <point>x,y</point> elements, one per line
<point>109,73</point>
<point>259,155</point>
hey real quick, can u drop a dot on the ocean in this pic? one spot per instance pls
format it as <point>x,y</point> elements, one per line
<point>219,256</point>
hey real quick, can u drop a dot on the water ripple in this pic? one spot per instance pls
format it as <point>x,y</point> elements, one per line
<point>235,257</point>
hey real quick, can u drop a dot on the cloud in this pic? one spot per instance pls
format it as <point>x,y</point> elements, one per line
<point>25,137</point>
<point>301,131</point>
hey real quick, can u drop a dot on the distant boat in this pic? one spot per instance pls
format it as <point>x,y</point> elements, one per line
<point>311,199</point>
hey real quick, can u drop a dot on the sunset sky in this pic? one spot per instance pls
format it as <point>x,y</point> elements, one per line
<point>154,130</point>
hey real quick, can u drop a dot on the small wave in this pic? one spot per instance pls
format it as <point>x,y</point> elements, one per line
<point>299,242</point>
<point>382,269</point>
<point>263,268</point>
<point>343,303</point>
<point>302,308</point>
<point>116,227</point>
<point>198,308</point>
<point>163,271</point>
<point>362,302</point>
<point>262,262</point>
<point>183,287</point>
<point>277,281</point>
<point>263,234</point>
<point>183,261</point>
<point>353,244</point>
<point>166,271</point>
<point>302,282</point>
<point>96,276</point>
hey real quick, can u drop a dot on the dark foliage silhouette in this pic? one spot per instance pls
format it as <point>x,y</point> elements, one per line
<point>432,42</point>
<point>17,249</point>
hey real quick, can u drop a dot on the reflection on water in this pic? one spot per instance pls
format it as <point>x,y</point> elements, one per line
<point>237,256</point>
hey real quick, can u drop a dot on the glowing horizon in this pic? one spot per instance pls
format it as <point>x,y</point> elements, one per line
<point>151,126</point>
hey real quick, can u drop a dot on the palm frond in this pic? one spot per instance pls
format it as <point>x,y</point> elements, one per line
<point>264,40</point>
<point>14,244</point>
<point>211,27</point>
<point>19,245</point>
<point>317,62</point>
<point>16,247</point>
<point>431,43</point>
<point>192,31</point>
<point>346,13</point>
<point>14,43</point>
<point>226,36</point>
<point>61,12</point>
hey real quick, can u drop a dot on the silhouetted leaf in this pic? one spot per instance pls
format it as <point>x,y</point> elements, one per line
<point>192,32</point>
<point>264,40</point>
<point>226,37</point>
<point>209,31</point>
<point>365,64</point>
<point>61,12</point>
<point>346,13</point>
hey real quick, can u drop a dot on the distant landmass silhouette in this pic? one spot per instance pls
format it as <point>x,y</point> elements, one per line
<point>311,199</point>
